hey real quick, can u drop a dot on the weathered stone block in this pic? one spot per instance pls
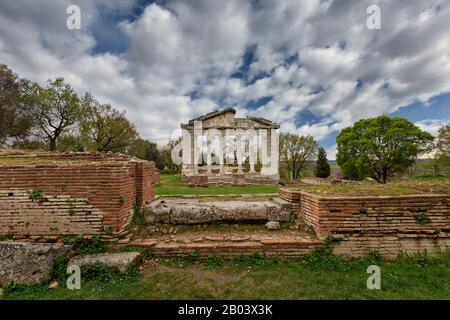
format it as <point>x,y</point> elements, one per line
<point>191,214</point>
<point>191,211</point>
<point>157,212</point>
<point>120,260</point>
<point>26,263</point>
<point>272,225</point>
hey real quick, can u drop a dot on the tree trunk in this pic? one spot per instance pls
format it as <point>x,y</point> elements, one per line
<point>52,144</point>
<point>384,175</point>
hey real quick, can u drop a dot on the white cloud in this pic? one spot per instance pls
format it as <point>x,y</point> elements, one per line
<point>431,125</point>
<point>339,70</point>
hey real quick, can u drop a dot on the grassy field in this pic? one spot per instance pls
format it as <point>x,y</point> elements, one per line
<point>416,185</point>
<point>316,276</point>
<point>171,184</point>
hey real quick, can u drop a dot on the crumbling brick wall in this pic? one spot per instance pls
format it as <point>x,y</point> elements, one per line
<point>390,225</point>
<point>111,184</point>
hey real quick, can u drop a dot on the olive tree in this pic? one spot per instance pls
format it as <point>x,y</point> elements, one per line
<point>56,109</point>
<point>104,128</point>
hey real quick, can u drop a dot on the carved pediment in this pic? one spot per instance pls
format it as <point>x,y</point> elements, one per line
<point>226,119</point>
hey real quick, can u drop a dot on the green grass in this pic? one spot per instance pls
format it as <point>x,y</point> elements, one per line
<point>316,276</point>
<point>172,185</point>
<point>416,185</point>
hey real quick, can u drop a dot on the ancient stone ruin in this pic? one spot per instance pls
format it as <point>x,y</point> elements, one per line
<point>221,148</point>
<point>46,194</point>
<point>194,211</point>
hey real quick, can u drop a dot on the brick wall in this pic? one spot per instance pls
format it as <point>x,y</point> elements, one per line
<point>390,225</point>
<point>269,246</point>
<point>305,204</point>
<point>110,183</point>
<point>21,216</point>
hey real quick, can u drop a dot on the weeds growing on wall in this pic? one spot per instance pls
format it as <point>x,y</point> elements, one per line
<point>36,194</point>
<point>258,260</point>
<point>213,261</point>
<point>138,215</point>
<point>421,218</point>
<point>83,246</point>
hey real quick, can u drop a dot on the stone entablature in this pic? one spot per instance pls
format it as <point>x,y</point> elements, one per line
<point>231,144</point>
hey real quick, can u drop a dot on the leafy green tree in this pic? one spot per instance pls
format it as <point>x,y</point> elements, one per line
<point>441,161</point>
<point>15,121</point>
<point>104,128</point>
<point>322,165</point>
<point>379,147</point>
<point>443,143</point>
<point>166,154</point>
<point>56,109</point>
<point>70,142</point>
<point>296,151</point>
<point>144,149</point>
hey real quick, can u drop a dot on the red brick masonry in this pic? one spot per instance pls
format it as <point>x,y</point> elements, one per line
<point>390,225</point>
<point>110,183</point>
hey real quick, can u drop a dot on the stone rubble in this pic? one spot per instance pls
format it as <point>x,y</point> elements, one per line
<point>121,260</point>
<point>27,263</point>
<point>273,225</point>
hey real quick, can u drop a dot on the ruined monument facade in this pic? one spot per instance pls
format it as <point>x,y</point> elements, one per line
<point>227,149</point>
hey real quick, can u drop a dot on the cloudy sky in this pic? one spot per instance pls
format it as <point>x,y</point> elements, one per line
<point>311,65</point>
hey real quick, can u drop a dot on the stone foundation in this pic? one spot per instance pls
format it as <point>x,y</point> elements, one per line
<point>390,225</point>
<point>197,180</point>
<point>80,192</point>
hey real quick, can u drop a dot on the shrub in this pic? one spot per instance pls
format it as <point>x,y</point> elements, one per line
<point>85,246</point>
<point>36,194</point>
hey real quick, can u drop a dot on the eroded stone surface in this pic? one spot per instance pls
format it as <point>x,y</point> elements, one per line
<point>120,260</point>
<point>26,263</point>
<point>272,225</point>
<point>193,211</point>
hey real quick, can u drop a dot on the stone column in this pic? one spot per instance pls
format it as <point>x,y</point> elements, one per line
<point>187,152</point>
<point>208,155</point>
<point>263,152</point>
<point>194,153</point>
<point>221,156</point>
<point>198,131</point>
<point>252,146</point>
<point>275,152</point>
<point>271,154</point>
<point>239,152</point>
